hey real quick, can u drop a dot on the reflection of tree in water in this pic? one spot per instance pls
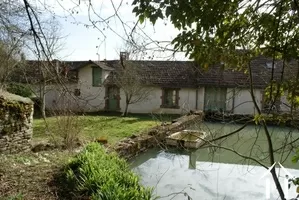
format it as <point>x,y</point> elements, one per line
<point>249,141</point>
<point>247,144</point>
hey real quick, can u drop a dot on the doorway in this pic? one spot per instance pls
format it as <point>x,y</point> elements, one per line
<point>113,98</point>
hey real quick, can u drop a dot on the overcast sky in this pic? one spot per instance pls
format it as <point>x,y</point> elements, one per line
<point>81,43</point>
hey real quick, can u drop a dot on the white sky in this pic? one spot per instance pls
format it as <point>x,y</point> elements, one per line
<point>81,42</point>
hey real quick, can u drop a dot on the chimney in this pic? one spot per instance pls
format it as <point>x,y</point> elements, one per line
<point>124,55</point>
<point>98,57</point>
<point>57,65</point>
<point>66,69</point>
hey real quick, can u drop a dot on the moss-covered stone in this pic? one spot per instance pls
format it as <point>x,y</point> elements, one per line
<point>16,115</point>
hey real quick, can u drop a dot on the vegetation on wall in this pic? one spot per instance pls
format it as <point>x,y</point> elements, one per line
<point>16,108</point>
<point>96,174</point>
<point>19,89</point>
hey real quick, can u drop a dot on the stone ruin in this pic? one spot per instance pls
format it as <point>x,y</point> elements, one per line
<point>16,118</point>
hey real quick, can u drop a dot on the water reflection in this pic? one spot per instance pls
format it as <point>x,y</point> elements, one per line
<point>192,159</point>
<point>213,174</point>
<point>172,173</point>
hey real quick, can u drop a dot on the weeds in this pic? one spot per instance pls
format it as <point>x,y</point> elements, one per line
<point>69,129</point>
<point>18,196</point>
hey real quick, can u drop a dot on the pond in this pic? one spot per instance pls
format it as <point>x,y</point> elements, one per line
<point>210,173</point>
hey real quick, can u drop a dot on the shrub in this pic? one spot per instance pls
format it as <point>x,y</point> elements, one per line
<point>19,89</point>
<point>99,175</point>
<point>68,127</point>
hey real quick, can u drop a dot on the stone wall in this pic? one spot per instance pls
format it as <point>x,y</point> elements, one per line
<point>16,117</point>
<point>132,146</point>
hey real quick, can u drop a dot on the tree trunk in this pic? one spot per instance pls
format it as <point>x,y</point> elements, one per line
<point>277,184</point>
<point>43,106</point>
<point>125,113</point>
<point>43,100</point>
<point>269,140</point>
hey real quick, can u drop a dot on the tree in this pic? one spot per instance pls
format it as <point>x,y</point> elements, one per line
<point>234,32</point>
<point>54,46</point>
<point>12,35</point>
<point>10,57</point>
<point>40,72</point>
<point>129,75</point>
<point>129,79</point>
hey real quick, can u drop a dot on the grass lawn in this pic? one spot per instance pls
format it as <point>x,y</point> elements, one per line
<point>28,176</point>
<point>91,127</point>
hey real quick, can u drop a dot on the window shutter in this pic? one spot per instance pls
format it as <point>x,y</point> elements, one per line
<point>96,76</point>
<point>177,97</point>
<point>162,97</point>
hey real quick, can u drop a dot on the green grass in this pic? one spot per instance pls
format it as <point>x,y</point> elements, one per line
<point>113,128</point>
<point>14,197</point>
<point>28,175</point>
<point>94,174</point>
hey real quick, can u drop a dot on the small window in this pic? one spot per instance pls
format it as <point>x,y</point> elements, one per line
<point>96,76</point>
<point>170,98</point>
<point>77,92</point>
<point>269,65</point>
<point>269,105</point>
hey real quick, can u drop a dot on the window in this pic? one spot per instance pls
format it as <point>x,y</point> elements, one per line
<point>269,65</point>
<point>271,106</point>
<point>170,98</point>
<point>96,76</point>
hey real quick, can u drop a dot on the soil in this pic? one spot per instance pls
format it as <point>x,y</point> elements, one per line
<point>30,176</point>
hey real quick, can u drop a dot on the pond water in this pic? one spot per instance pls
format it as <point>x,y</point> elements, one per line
<point>210,173</point>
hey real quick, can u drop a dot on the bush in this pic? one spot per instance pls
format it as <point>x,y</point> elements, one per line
<point>69,127</point>
<point>19,89</point>
<point>99,175</point>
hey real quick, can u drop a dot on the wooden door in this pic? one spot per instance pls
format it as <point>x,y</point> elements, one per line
<point>113,98</point>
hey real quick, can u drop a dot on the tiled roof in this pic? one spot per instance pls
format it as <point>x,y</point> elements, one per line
<point>179,74</point>
<point>29,70</point>
<point>261,75</point>
<point>75,65</point>
<point>174,74</point>
<point>189,74</point>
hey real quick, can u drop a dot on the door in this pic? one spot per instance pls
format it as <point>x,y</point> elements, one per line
<point>215,99</point>
<point>113,98</point>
